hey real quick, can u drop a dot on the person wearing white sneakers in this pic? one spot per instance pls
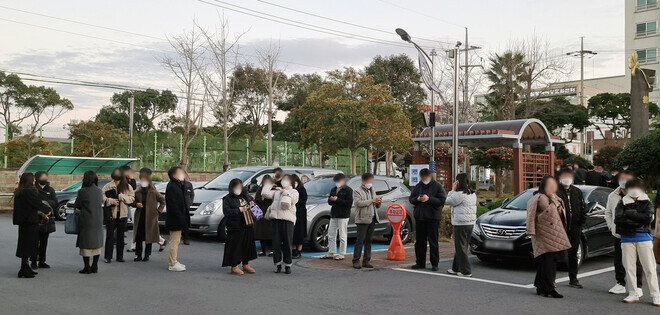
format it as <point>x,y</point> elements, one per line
<point>633,217</point>
<point>341,201</point>
<point>612,200</point>
<point>177,212</point>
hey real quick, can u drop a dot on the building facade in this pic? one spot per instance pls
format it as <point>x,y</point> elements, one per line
<point>642,36</point>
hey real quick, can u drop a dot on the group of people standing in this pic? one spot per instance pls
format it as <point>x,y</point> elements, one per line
<point>556,214</point>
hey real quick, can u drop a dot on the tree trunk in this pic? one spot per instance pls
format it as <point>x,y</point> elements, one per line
<point>253,139</point>
<point>354,153</point>
<point>227,163</point>
<point>321,159</point>
<point>499,183</point>
<point>375,161</point>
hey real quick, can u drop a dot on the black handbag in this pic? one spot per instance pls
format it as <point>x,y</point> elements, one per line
<point>107,211</point>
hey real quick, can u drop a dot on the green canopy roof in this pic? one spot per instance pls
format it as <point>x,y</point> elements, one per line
<point>72,164</point>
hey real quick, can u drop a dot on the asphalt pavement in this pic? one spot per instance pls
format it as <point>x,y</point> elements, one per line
<point>206,288</point>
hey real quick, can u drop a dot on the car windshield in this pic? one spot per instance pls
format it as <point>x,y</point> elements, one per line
<point>520,202</point>
<point>320,187</point>
<point>222,182</point>
<point>73,187</point>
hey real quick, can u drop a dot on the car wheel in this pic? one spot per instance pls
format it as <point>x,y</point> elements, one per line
<point>61,211</point>
<point>405,231</point>
<point>319,239</point>
<point>581,253</point>
<point>222,231</point>
<point>486,258</point>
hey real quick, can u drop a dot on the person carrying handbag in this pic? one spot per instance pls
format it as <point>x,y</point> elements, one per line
<point>117,195</point>
<point>240,247</point>
<point>49,199</point>
<point>282,214</point>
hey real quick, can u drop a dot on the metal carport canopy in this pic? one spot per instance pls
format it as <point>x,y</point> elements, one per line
<point>72,164</point>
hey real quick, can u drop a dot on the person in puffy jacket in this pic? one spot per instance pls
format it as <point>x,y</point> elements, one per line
<point>282,213</point>
<point>463,202</point>
<point>428,197</point>
<point>633,217</point>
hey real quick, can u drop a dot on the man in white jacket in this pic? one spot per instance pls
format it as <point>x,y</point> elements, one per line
<point>619,271</point>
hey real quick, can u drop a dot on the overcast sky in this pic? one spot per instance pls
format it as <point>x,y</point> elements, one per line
<point>38,39</point>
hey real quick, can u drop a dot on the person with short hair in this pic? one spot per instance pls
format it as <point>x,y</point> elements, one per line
<point>594,177</point>
<point>277,176</point>
<point>428,197</point>
<point>580,174</point>
<point>576,217</point>
<point>118,194</point>
<point>263,229</point>
<point>240,247</point>
<point>48,196</point>
<point>149,204</point>
<point>633,218</point>
<point>177,211</point>
<point>612,201</point>
<point>463,202</point>
<point>90,222</point>
<point>282,214</point>
<point>128,172</point>
<point>341,202</point>
<point>366,217</point>
<point>28,213</point>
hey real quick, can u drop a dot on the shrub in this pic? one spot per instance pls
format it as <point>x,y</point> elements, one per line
<point>606,156</point>
<point>642,155</point>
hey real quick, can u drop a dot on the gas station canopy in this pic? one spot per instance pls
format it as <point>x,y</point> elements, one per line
<point>72,164</point>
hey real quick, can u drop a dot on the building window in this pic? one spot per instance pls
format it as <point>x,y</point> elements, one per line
<point>647,28</point>
<point>653,82</point>
<point>646,4</point>
<point>647,55</point>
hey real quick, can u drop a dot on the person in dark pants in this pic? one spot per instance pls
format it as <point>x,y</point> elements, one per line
<point>580,174</point>
<point>117,195</point>
<point>47,195</point>
<point>29,211</point>
<point>177,211</point>
<point>263,229</point>
<point>463,202</point>
<point>613,200</point>
<point>149,204</point>
<point>189,193</point>
<point>300,228</point>
<point>595,178</point>
<point>576,216</point>
<point>366,217</point>
<point>546,225</point>
<point>239,247</point>
<point>90,222</point>
<point>428,197</point>
<point>282,213</point>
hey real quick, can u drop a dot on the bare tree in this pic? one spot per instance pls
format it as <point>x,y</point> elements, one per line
<point>223,58</point>
<point>186,63</point>
<point>268,58</point>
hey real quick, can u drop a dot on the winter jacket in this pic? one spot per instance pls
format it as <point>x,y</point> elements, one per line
<point>579,176</point>
<point>341,208</point>
<point>634,216</point>
<point>152,206</point>
<point>125,198</point>
<point>576,209</point>
<point>28,208</point>
<point>595,178</point>
<point>47,195</point>
<point>89,203</point>
<point>463,208</point>
<point>546,221</point>
<point>284,203</point>
<point>362,201</point>
<point>177,208</point>
<point>612,201</point>
<point>432,209</point>
<point>231,208</point>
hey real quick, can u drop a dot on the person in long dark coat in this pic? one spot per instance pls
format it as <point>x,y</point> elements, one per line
<point>29,211</point>
<point>89,207</point>
<point>177,211</point>
<point>240,247</point>
<point>47,195</point>
<point>149,203</point>
<point>263,229</point>
<point>300,229</point>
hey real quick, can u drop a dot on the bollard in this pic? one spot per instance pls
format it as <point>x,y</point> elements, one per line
<point>396,214</point>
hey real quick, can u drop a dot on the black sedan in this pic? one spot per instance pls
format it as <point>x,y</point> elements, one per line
<point>69,193</point>
<point>500,233</point>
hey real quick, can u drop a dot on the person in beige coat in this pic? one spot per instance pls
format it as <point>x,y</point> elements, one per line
<point>149,203</point>
<point>117,196</point>
<point>546,224</point>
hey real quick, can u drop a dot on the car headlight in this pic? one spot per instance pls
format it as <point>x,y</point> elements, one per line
<point>476,229</point>
<point>212,207</point>
<point>310,207</point>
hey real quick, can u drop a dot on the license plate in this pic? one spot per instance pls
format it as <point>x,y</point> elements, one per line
<point>498,245</point>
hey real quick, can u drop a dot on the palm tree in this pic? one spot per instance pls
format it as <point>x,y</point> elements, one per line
<point>506,77</point>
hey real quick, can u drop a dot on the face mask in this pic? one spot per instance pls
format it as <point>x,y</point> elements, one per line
<point>622,184</point>
<point>43,182</point>
<point>566,181</point>
<point>181,177</point>
<point>368,186</point>
<point>426,182</point>
<point>634,192</point>
<point>286,183</point>
<point>237,191</point>
<point>144,184</point>
<point>339,184</point>
<point>115,177</point>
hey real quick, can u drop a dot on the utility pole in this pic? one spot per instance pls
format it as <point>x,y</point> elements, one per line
<point>131,111</point>
<point>466,67</point>
<point>582,53</point>
<point>454,53</point>
<point>432,111</point>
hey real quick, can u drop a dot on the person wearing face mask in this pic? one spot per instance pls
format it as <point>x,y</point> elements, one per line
<point>366,217</point>
<point>29,211</point>
<point>117,196</point>
<point>576,217</point>
<point>128,172</point>
<point>340,201</point>
<point>47,195</point>
<point>177,211</point>
<point>300,228</point>
<point>633,218</point>
<point>277,176</point>
<point>263,229</point>
<point>282,214</point>
<point>428,197</point>
<point>239,247</point>
<point>612,201</point>
<point>149,203</point>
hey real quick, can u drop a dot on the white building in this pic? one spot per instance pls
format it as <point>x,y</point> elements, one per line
<point>643,37</point>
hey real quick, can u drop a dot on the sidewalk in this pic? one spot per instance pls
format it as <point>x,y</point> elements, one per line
<point>378,259</point>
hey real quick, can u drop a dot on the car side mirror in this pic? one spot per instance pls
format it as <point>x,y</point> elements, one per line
<point>504,202</point>
<point>252,188</point>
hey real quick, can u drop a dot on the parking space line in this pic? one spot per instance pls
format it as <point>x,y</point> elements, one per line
<point>516,285</point>
<point>587,274</point>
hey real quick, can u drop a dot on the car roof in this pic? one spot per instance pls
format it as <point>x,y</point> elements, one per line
<point>284,168</point>
<point>584,188</point>
<point>351,177</point>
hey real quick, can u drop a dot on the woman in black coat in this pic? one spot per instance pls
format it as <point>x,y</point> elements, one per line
<point>90,221</point>
<point>29,211</point>
<point>300,229</point>
<point>47,195</point>
<point>263,229</point>
<point>240,247</point>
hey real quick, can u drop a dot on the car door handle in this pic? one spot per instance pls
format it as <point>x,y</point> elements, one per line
<point>392,200</point>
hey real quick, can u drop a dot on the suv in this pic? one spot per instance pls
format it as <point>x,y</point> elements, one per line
<point>318,211</point>
<point>206,215</point>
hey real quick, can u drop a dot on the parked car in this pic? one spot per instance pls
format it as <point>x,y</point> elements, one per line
<point>206,215</point>
<point>500,233</point>
<point>318,211</point>
<point>70,193</point>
